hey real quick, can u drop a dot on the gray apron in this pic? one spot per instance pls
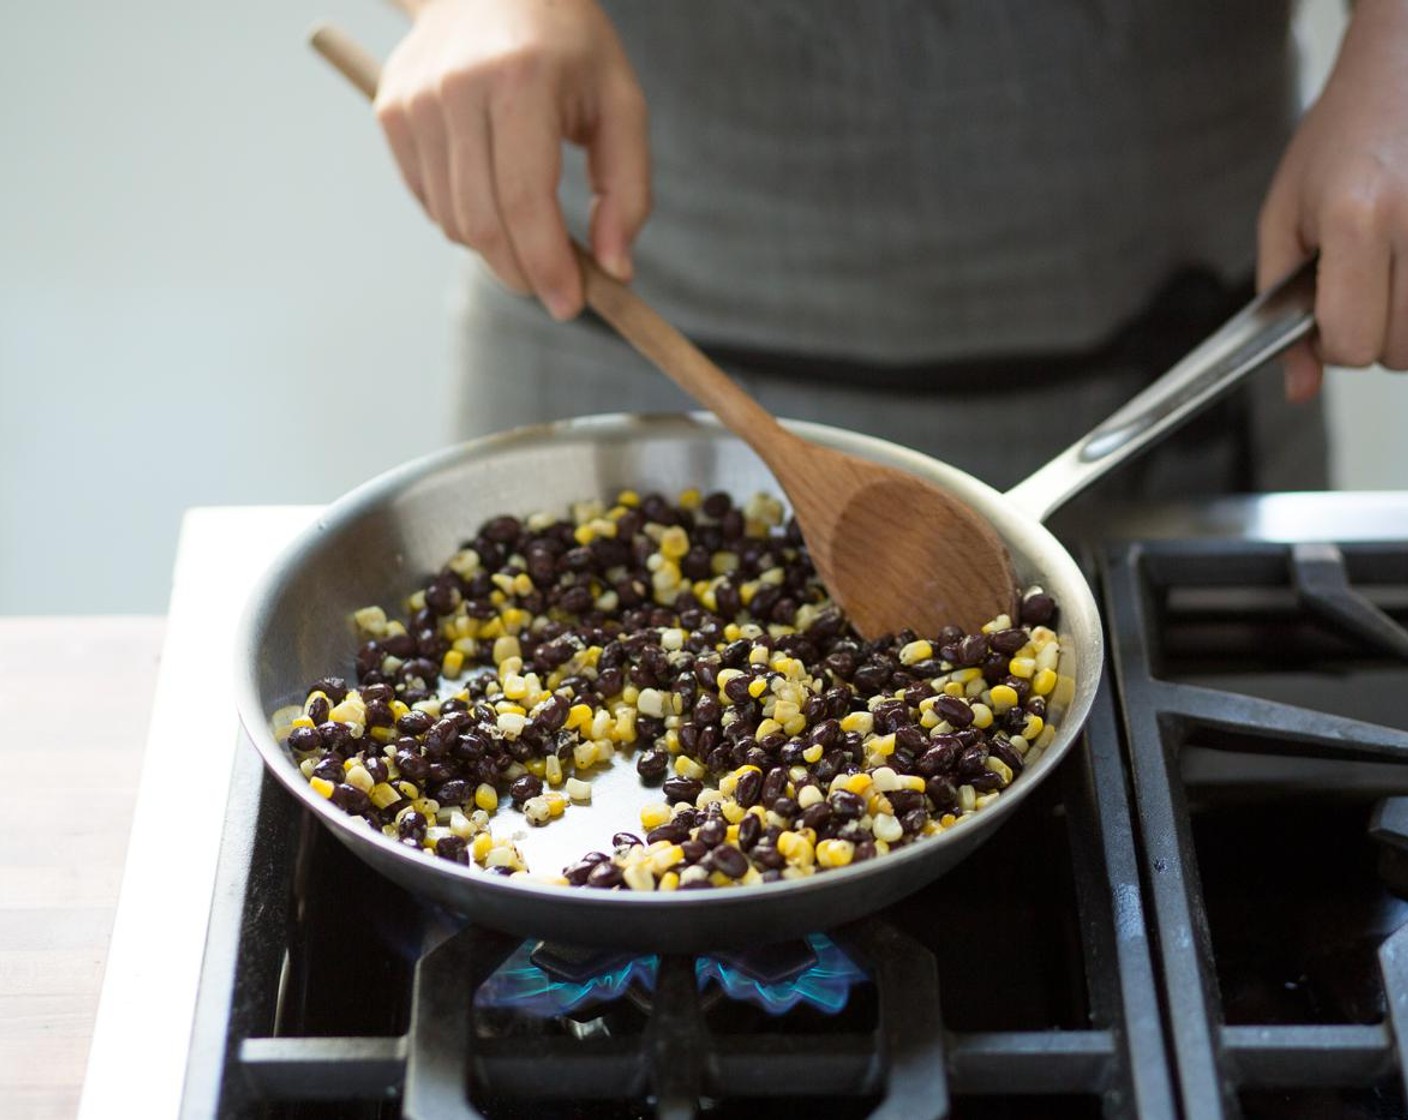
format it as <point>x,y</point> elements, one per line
<point>973,229</point>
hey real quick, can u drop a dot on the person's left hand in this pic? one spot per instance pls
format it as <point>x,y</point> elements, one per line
<point>1342,189</point>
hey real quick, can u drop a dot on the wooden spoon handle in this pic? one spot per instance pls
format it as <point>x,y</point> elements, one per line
<point>634,319</point>
<point>679,359</point>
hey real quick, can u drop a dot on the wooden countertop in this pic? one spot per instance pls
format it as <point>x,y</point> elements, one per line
<point>81,689</point>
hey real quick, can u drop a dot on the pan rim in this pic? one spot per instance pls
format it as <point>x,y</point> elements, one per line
<point>354,830</point>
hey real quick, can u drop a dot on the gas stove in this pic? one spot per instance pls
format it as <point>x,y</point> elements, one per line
<point>1202,914</point>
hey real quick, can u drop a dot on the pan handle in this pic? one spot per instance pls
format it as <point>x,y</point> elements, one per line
<point>1261,330</point>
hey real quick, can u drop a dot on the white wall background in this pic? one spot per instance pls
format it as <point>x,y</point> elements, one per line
<point>214,290</point>
<point>212,287</point>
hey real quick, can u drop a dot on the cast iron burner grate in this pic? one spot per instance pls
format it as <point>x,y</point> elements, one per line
<point>1238,667</point>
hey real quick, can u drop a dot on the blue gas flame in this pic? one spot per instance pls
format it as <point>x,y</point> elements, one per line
<point>826,985</point>
<point>521,985</point>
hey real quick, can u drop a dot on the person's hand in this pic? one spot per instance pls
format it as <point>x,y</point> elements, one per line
<point>476,102</point>
<point>1342,188</point>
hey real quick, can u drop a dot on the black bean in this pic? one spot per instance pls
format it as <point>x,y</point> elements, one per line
<point>673,831</point>
<point>817,816</point>
<point>305,740</point>
<point>749,829</point>
<point>1007,641</point>
<point>335,688</point>
<point>454,792</point>
<point>329,768</point>
<point>972,762</point>
<point>847,805</point>
<point>941,756</point>
<point>942,793</point>
<point>411,827</point>
<point>730,861</point>
<point>525,788</point>
<point>903,801</point>
<point>1038,609</point>
<point>954,710</point>
<point>335,736</point>
<point>913,821</point>
<point>986,782</point>
<point>971,650</point>
<point>375,765</point>
<point>749,788</point>
<point>625,840</point>
<point>452,848</point>
<point>576,873</point>
<point>414,722</point>
<point>865,849</point>
<point>1007,754</point>
<point>774,785</point>
<point>694,850</point>
<point>713,831</point>
<point>605,875</point>
<point>651,765</point>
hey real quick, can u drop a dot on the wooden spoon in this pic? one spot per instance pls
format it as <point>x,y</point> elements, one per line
<point>894,550</point>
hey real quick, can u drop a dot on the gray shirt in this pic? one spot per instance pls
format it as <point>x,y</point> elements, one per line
<point>906,181</point>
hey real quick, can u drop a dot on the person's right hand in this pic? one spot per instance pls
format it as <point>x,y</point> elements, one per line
<point>476,102</point>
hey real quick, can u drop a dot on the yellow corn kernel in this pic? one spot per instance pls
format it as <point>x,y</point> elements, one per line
<point>639,878</point>
<point>536,766</point>
<point>669,881</point>
<point>1000,768</point>
<point>1022,667</point>
<point>1001,622</point>
<point>1044,682</point>
<point>813,753</point>
<point>883,745</point>
<point>835,853</point>
<point>357,776</point>
<point>557,804</point>
<point>383,795</point>
<point>797,849</point>
<point>765,728</point>
<point>1003,697</point>
<point>552,770</point>
<point>982,716</point>
<point>486,797</point>
<point>654,815</point>
<point>321,786</point>
<point>734,812</point>
<point>690,499</point>
<point>674,543</point>
<point>383,734</point>
<point>515,687</point>
<point>1032,728</point>
<point>666,858</point>
<point>861,722</point>
<point>584,755</point>
<point>915,652</point>
<point>479,847</point>
<point>686,767</point>
<point>757,687</point>
<point>857,783</point>
<point>579,715</point>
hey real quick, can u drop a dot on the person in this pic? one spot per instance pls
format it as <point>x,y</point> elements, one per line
<point>975,229</point>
